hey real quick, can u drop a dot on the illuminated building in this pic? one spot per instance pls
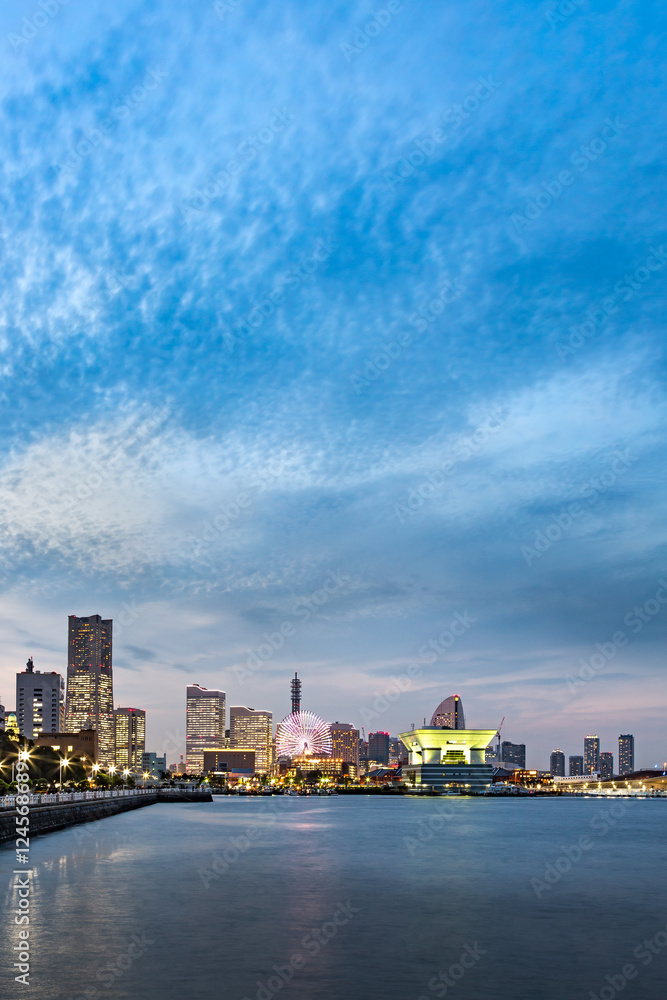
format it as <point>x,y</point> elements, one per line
<point>626,754</point>
<point>204,724</point>
<point>557,763</point>
<point>130,737</point>
<point>345,743</point>
<point>576,766</point>
<point>252,728</point>
<point>449,714</point>
<point>448,758</point>
<point>89,703</point>
<point>606,766</point>
<point>378,747</point>
<point>329,767</point>
<point>513,753</point>
<point>40,701</point>
<point>11,725</point>
<point>591,754</point>
<point>81,745</point>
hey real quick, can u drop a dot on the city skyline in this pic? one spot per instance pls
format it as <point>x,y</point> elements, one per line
<point>84,642</point>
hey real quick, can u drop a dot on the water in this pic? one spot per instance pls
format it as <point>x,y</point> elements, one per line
<point>376,895</point>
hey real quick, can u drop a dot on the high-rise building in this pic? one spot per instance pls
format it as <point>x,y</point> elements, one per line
<point>204,725</point>
<point>557,764</point>
<point>626,754</point>
<point>591,754</point>
<point>606,766</point>
<point>40,701</point>
<point>345,741</point>
<point>89,703</point>
<point>513,753</point>
<point>130,737</point>
<point>449,714</point>
<point>378,747</point>
<point>2,717</point>
<point>251,729</point>
<point>576,767</point>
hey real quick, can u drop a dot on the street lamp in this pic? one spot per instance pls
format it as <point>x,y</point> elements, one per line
<point>62,763</point>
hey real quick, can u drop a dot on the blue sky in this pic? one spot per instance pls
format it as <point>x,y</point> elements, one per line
<point>296,296</point>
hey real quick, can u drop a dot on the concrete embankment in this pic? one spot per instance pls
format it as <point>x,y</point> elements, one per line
<point>47,818</point>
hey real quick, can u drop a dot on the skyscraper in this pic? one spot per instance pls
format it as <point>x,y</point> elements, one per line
<point>40,701</point>
<point>557,764</point>
<point>378,747</point>
<point>252,729</point>
<point>90,681</point>
<point>576,767</point>
<point>626,753</point>
<point>204,725</point>
<point>513,753</point>
<point>449,714</point>
<point>591,754</point>
<point>345,740</point>
<point>606,766</point>
<point>130,737</point>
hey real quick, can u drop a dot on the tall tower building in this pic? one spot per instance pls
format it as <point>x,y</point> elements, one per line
<point>295,690</point>
<point>606,766</point>
<point>40,701</point>
<point>204,725</point>
<point>345,741</point>
<point>557,764</point>
<point>591,754</point>
<point>89,702</point>
<point>130,737</point>
<point>576,767</point>
<point>626,754</point>
<point>252,729</point>
<point>378,747</point>
<point>514,753</point>
<point>449,714</point>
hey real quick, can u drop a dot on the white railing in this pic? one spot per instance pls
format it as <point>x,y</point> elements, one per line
<point>37,799</point>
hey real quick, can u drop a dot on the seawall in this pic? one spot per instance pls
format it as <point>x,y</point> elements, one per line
<point>57,816</point>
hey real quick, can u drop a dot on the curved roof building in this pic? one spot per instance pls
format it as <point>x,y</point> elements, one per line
<point>449,714</point>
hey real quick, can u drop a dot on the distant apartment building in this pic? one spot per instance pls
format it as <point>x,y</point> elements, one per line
<point>154,765</point>
<point>557,764</point>
<point>130,737</point>
<point>378,748</point>
<point>626,754</point>
<point>591,754</point>
<point>251,729</point>
<point>576,766</point>
<point>40,701</point>
<point>89,702</point>
<point>345,742</point>
<point>513,753</point>
<point>204,725</point>
<point>2,717</point>
<point>606,766</point>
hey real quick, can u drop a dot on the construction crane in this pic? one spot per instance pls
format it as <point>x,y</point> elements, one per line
<point>498,735</point>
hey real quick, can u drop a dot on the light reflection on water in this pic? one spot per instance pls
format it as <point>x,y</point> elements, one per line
<point>120,908</point>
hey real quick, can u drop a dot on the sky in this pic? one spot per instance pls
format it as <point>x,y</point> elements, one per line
<point>331,340</point>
